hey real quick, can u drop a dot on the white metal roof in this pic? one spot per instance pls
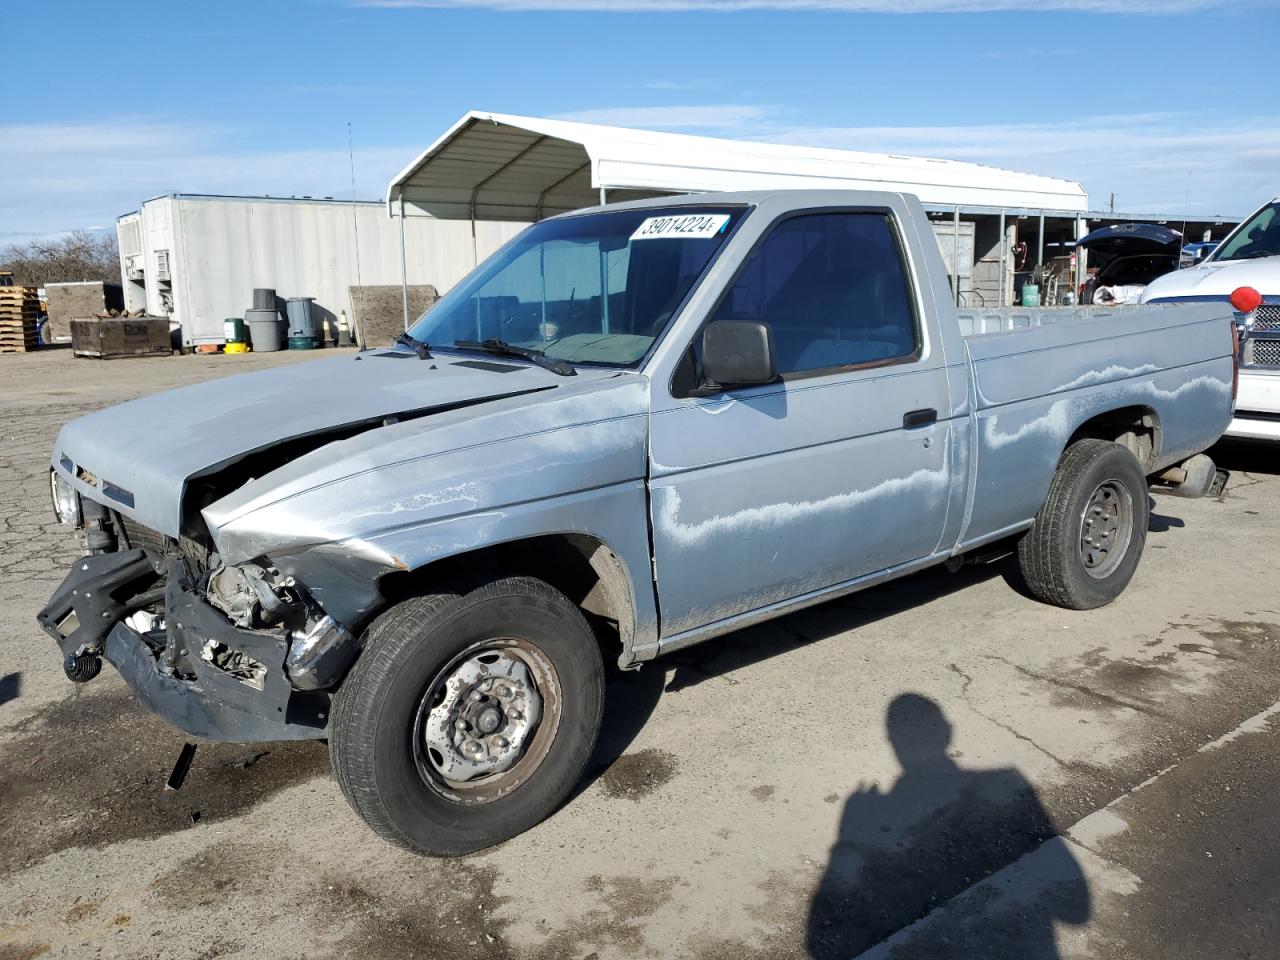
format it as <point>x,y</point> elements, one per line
<point>494,166</point>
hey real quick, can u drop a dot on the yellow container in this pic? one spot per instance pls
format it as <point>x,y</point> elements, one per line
<point>236,348</point>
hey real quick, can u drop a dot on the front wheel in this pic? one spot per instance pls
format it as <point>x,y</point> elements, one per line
<point>469,716</point>
<point>1086,541</point>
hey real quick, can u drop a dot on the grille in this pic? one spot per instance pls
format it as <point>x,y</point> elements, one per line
<point>148,539</point>
<point>1264,353</point>
<point>144,537</point>
<point>1267,318</point>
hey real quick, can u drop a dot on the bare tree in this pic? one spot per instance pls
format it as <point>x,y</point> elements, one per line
<point>79,255</point>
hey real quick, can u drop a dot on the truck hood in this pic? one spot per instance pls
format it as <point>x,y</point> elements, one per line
<point>139,457</point>
<point>1217,279</point>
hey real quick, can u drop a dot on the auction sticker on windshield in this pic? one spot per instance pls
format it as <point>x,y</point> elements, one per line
<point>695,226</point>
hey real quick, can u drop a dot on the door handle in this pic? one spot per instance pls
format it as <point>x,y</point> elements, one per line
<point>919,418</point>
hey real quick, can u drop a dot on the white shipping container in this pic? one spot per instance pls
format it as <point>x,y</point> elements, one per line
<point>202,256</point>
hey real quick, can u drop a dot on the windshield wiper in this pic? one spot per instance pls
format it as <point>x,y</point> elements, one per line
<point>1256,254</point>
<point>502,348</point>
<point>418,346</point>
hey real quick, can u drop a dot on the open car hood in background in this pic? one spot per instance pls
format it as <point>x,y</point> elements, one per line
<point>1132,238</point>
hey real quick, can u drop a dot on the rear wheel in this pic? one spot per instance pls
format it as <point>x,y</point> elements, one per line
<point>1086,541</point>
<point>469,716</point>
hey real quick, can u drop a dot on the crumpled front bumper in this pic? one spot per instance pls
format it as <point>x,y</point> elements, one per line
<point>166,672</point>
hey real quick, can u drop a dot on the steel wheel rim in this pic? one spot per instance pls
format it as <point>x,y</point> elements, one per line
<point>440,742</point>
<point>1106,528</point>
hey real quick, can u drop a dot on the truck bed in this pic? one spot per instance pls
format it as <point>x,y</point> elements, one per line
<point>979,321</point>
<point>1039,372</point>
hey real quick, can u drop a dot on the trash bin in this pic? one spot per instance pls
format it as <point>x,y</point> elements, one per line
<point>265,329</point>
<point>303,334</point>
<point>264,298</point>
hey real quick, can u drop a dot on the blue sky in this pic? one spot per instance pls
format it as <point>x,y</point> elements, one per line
<point>1172,105</point>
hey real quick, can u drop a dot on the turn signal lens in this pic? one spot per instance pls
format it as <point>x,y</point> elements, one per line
<point>1246,299</point>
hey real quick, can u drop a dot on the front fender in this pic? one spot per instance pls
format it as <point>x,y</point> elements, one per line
<point>339,537</point>
<point>343,576</point>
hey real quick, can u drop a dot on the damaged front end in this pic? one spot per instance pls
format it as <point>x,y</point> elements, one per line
<point>239,653</point>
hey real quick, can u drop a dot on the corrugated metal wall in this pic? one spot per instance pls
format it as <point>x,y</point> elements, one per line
<point>220,249</point>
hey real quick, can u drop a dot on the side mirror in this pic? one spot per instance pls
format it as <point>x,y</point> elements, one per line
<point>738,353</point>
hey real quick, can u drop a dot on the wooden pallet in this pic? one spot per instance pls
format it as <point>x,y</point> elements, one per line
<point>19,335</point>
<point>19,311</point>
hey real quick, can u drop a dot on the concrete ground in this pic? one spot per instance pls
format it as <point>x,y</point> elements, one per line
<point>940,767</point>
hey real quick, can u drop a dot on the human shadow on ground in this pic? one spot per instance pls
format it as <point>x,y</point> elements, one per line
<point>939,829</point>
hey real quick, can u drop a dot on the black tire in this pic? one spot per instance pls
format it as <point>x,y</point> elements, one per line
<point>1057,564</point>
<point>374,744</point>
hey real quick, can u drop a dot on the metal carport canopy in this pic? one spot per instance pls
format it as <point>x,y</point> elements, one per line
<point>493,166</point>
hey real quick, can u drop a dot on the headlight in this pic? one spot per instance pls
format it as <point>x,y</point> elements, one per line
<point>66,502</point>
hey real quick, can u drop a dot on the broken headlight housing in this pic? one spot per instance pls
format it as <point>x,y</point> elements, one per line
<point>66,502</point>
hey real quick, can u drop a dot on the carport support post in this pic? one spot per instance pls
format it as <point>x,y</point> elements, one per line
<point>955,253</point>
<point>404,268</point>
<point>1004,251</point>
<point>1082,227</point>
<point>1040,242</point>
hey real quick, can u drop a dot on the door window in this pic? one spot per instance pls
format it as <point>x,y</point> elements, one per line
<point>834,290</point>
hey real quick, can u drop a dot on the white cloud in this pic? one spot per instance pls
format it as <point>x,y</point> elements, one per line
<point>666,85</point>
<point>835,6</point>
<point>59,177</point>
<point>717,118</point>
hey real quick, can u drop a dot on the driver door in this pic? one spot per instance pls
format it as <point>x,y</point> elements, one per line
<point>839,470</point>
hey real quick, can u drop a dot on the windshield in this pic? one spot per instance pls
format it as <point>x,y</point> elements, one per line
<point>1259,236</point>
<point>598,288</point>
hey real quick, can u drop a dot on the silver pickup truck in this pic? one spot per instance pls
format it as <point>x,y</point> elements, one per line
<point>632,429</point>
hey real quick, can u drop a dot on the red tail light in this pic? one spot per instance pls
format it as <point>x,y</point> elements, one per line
<point>1245,299</point>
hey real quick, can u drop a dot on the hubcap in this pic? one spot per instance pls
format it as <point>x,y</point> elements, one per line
<point>481,716</point>
<point>1106,526</point>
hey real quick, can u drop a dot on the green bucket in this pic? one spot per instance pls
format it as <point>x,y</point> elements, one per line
<point>233,330</point>
<point>1030,295</point>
